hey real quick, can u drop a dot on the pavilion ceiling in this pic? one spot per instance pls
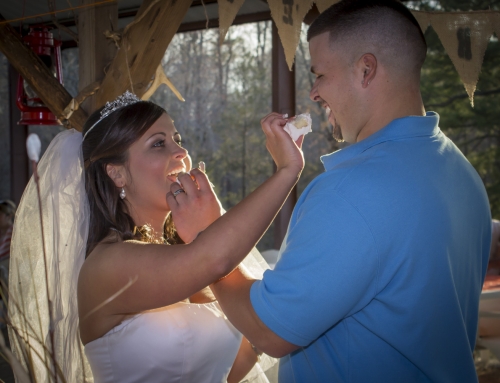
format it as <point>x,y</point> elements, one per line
<point>464,35</point>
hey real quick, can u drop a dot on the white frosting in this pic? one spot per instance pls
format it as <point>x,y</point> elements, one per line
<point>301,125</point>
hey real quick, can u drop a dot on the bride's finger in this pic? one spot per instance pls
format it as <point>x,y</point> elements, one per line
<point>175,186</point>
<point>275,121</point>
<point>176,189</point>
<point>188,184</point>
<point>171,200</point>
<point>277,133</point>
<point>272,114</point>
<point>299,141</point>
<point>202,180</point>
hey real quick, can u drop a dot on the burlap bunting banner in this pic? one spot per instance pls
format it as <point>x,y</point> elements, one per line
<point>323,5</point>
<point>227,12</point>
<point>464,37</point>
<point>288,16</point>
<point>423,20</point>
<point>495,21</point>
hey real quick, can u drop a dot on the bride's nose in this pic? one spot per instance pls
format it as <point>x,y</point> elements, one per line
<point>180,153</point>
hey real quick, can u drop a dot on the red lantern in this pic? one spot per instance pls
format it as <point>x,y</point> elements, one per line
<point>33,110</point>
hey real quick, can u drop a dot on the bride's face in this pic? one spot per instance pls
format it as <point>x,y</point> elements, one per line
<point>153,164</point>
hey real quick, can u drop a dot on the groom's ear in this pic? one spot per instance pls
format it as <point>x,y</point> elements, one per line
<point>117,174</point>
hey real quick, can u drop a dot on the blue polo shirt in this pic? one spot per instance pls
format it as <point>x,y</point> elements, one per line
<point>381,270</point>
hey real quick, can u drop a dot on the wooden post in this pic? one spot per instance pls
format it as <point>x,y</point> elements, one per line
<point>142,47</point>
<point>283,102</point>
<point>38,76</point>
<point>19,164</point>
<point>95,50</point>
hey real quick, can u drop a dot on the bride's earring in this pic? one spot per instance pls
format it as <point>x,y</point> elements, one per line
<point>122,193</point>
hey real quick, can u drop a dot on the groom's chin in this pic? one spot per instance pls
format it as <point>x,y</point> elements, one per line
<point>337,133</point>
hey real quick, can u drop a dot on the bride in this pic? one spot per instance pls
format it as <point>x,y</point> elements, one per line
<point>143,311</point>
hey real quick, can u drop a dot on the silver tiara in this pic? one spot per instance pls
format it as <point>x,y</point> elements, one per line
<point>125,99</point>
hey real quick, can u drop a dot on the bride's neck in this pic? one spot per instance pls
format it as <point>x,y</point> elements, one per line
<point>154,220</point>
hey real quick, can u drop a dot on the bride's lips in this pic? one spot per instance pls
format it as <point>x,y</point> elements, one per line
<point>172,175</point>
<point>172,178</point>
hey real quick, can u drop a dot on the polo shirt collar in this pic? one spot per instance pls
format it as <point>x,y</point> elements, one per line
<point>400,128</point>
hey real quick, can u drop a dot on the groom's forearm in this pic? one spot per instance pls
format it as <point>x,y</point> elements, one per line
<point>233,294</point>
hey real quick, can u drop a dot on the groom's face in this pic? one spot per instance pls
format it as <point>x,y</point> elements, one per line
<point>333,87</point>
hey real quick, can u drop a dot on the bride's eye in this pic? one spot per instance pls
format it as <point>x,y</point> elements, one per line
<point>178,139</point>
<point>158,144</point>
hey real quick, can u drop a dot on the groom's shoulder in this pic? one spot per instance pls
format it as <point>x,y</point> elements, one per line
<point>347,176</point>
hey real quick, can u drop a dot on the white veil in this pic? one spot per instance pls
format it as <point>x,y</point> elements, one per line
<point>65,212</point>
<point>255,264</point>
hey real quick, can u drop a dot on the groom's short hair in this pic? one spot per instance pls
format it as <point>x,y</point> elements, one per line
<point>384,24</point>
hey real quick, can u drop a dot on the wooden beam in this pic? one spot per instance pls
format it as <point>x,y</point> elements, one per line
<point>214,23</point>
<point>95,50</point>
<point>142,47</point>
<point>19,164</point>
<point>191,26</point>
<point>38,76</point>
<point>283,102</point>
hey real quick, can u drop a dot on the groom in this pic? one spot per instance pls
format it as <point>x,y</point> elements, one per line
<point>381,270</point>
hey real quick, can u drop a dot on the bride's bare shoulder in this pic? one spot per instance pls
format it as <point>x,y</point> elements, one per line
<point>112,256</point>
<point>111,245</point>
<point>104,265</point>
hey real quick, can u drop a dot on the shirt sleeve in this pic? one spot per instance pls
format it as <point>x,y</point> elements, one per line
<point>327,270</point>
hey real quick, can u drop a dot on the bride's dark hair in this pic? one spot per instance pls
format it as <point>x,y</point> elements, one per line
<point>108,143</point>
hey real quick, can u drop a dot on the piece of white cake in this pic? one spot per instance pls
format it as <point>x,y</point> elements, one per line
<point>301,125</point>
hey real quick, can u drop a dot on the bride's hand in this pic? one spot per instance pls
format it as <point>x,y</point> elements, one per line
<point>194,209</point>
<point>286,153</point>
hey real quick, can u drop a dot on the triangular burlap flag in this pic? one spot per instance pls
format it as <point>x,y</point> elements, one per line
<point>464,37</point>
<point>495,21</point>
<point>323,5</point>
<point>423,19</point>
<point>288,16</point>
<point>227,12</point>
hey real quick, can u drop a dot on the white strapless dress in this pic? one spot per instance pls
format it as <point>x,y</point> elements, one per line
<point>181,343</point>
